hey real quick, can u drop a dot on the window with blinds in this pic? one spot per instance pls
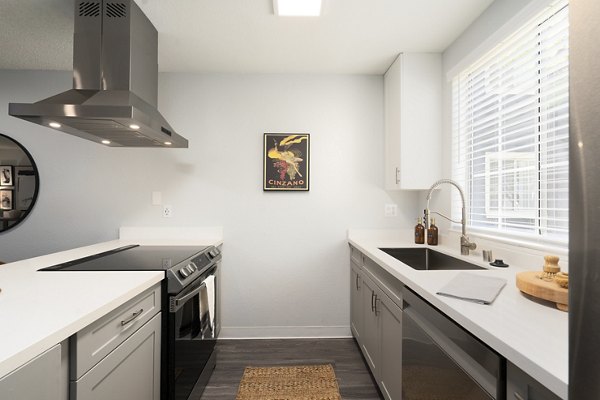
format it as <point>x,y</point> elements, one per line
<point>511,131</point>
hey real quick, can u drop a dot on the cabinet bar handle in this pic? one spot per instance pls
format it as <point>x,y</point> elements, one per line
<point>376,300</point>
<point>132,317</point>
<point>397,178</point>
<point>518,396</point>
<point>372,302</point>
<point>357,282</point>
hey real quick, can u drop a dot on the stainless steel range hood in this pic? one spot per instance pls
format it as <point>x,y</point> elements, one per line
<point>115,78</point>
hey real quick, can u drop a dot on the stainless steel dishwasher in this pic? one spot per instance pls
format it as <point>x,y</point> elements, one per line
<point>442,361</point>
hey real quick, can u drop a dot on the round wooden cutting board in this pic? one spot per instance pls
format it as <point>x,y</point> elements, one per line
<point>528,282</point>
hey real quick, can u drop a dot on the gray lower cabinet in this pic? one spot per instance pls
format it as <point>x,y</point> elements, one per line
<point>40,378</point>
<point>390,326</point>
<point>376,323</point>
<point>370,345</point>
<point>129,372</point>
<point>97,340</point>
<point>521,386</point>
<point>356,301</point>
<point>117,357</point>
<point>382,338</point>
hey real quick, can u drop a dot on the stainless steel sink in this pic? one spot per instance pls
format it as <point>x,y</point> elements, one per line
<point>426,259</point>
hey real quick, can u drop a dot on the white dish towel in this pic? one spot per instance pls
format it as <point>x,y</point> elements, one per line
<point>210,293</point>
<point>473,287</point>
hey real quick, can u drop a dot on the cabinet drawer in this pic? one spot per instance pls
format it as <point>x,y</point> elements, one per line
<point>130,372</point>
<point>390,285</point>
<point>356,256</point>
<point>95,341</point>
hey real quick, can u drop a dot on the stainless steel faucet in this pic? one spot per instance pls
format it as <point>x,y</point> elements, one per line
<point>465,243</point>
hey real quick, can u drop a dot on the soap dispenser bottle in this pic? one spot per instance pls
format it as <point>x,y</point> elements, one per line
<point>432,233</point>
<point>419,232</point>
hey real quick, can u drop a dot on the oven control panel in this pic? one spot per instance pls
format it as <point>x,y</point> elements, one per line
<point>184,273</point>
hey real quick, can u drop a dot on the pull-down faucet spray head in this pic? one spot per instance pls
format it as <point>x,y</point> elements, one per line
<point>465,244</point>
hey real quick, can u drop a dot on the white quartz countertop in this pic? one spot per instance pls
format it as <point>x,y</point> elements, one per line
<point>41,309</point>
<point>532,335</point>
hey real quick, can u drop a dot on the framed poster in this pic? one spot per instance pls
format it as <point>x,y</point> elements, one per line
<point>6,175</point>
<point>286,161</point>
<point>6,199</point>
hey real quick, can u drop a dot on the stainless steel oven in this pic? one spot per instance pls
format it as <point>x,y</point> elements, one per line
<point>442,361</point>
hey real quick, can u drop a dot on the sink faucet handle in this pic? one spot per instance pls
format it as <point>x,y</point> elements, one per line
<point>466,245</point>
<point>471,245</point>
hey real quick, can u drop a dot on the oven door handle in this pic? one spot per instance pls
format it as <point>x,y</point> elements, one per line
<point>175,303</point>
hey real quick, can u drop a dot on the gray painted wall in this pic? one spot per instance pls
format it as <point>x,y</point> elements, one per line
<point>285,271</point>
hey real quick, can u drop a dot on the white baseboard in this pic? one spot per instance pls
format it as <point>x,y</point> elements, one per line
<point>281,332</point>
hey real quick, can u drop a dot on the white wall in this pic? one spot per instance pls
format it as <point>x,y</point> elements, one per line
<point>286,258</point>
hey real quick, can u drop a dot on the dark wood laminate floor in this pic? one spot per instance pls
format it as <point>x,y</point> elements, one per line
<point>233,356</point>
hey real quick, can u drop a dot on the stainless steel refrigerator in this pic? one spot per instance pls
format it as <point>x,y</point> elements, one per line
<point>584,200</point>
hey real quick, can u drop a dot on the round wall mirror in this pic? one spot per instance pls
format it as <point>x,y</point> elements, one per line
<point>19,183</point>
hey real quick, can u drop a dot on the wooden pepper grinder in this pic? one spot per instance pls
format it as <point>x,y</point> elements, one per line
<point>551,267</point>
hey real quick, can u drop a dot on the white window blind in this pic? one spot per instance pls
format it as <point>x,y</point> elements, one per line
<point>510,132</point>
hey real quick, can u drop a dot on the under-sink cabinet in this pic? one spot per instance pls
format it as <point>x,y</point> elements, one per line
<point>370,345</point>
<point>118,356</point>
<point>376,324</point>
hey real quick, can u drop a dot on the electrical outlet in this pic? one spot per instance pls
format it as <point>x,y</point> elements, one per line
<point>391,210</point>
<point>167,211</point>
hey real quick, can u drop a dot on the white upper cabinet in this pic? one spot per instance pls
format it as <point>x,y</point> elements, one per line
<point>413,121</point>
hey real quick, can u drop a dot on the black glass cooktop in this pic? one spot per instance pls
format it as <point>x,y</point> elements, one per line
<point>131,258</point>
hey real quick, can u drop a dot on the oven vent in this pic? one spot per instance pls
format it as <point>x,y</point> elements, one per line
<point>89,9</point>
<point>116,10</point>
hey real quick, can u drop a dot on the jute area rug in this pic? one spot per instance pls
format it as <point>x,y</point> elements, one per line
<point>305,382</point>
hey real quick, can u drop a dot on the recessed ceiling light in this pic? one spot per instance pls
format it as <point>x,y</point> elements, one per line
<point>168,143</point>
<point>134,126</point>
<point>297,8</point>
<point>106,142</point>
<point>55,125</point>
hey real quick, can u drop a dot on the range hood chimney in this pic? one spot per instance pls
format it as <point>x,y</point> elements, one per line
<point>115,81</point>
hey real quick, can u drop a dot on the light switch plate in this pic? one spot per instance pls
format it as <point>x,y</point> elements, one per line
<point>156,198</point>
<point>391,210</point>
